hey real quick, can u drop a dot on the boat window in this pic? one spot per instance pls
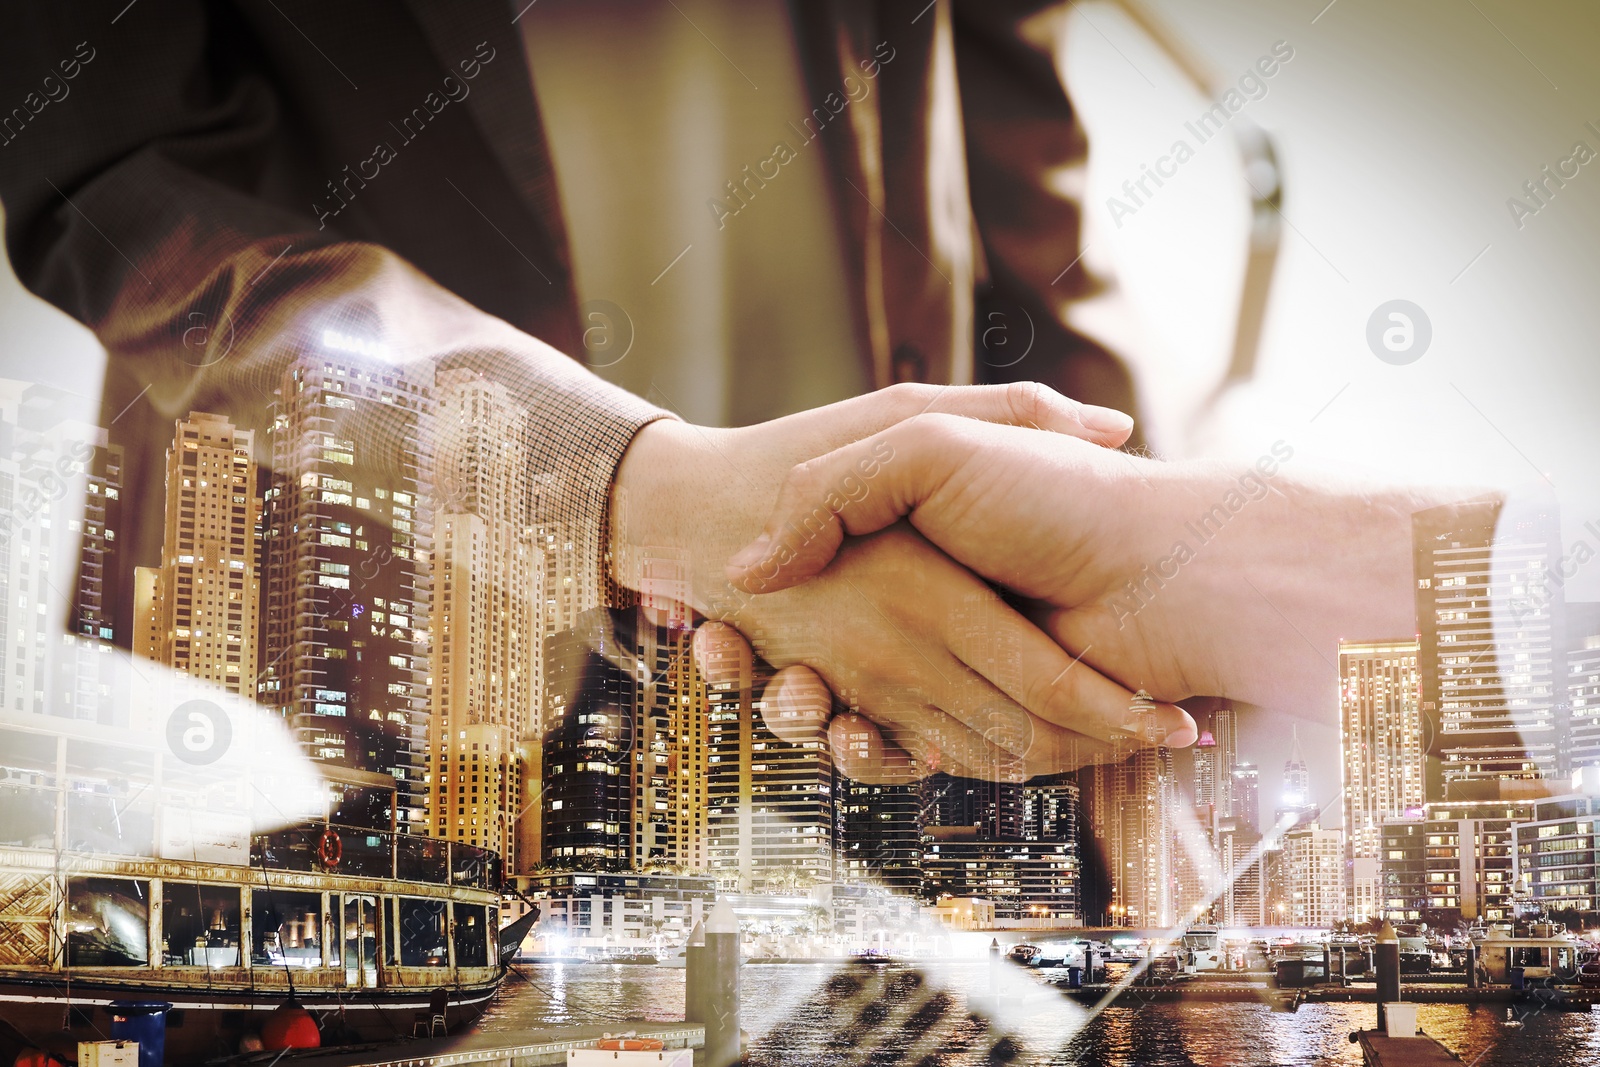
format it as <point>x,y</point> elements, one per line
<point>108,922</point>
<point>28,789</point>
<point>288,928</point>
<point>110,798</point>
<point>1528,957</point>
<point>199,925</point>
<point>471,936</point>
<point>422,936</point>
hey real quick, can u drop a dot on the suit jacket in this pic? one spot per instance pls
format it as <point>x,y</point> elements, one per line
<point>176,166</point>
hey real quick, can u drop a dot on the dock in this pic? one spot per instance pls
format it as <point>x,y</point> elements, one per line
<point>1379,1050</point>
<point>1213,990</point>
<point>526,1048</point>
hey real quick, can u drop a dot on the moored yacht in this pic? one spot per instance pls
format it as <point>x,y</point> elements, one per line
<point>127,875</point>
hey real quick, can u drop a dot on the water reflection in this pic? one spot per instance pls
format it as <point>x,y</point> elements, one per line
<point>801,1014</point>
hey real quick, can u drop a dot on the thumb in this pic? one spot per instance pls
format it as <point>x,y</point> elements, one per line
<point>858,489</point>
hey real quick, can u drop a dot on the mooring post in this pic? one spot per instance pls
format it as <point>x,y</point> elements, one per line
<point>1388,960</point>
<point>1472,964</point>
<point>711,985</point>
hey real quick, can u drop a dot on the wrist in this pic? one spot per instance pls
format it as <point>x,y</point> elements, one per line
<point>674,497</point>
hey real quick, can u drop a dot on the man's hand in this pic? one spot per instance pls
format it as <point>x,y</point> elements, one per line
<point>957,677</point>
<point>1176,578</point>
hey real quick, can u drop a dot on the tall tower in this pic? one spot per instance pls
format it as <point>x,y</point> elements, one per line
<point>1380,720</point>
<point>60,515</point>
<point>1225,728</point>
<point>1146,808</point>
<point>1207,769</point>
<point>488,577</point>
<point>346,531</point>
<point>1247,795</point>
<point>1296,801</point>
<point>1488,647</point>
<point>201,615</point>
<point>1583,685</point>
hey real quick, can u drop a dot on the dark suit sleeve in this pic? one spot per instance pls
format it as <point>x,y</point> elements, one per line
<point>143,175</point>
<point>1026,158</point>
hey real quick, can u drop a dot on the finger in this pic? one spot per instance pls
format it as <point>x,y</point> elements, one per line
<point>796,704</point>
<point>723,655</point>
<point>1016,404</point>
<point>1038,675</point>
<point>1036,406</point>
<point>858,489</point>
<point>862,754</point>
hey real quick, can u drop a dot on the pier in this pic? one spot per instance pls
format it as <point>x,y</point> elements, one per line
<point>1380,1050</point>
<point>530,1048</point>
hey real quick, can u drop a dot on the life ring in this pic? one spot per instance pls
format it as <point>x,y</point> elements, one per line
<point>330,850</point>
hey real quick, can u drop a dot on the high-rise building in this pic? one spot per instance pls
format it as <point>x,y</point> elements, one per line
<point>591,682</point>
<point>1207,770</point>
<point>1246,793</point>
<point>670,745</point>
<point>345,600</point>
<point>1198,874</point>
<point>1024,879</point>
<point>769,802</point>
<point>1296,804</point>
<point>1556,848</point>
<point>1244,898</point>
<point>197,611</point>
<point>1050,810</point>
<point>1143,883</point>
<point>878,834</point>
<point>994,809</point>
<point>1583,686</point>
<point>1313,868</point>
<point>487,616</point>
<point>1225,728</point>
<point>1488,650</point>
<point>60,514</point>
<point>1453,862</point>
<point>1381,742</point>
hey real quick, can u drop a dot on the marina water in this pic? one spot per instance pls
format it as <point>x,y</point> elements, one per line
<point>789,1012</point>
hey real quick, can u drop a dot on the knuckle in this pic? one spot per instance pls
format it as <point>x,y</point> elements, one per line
<point>1028,402</point>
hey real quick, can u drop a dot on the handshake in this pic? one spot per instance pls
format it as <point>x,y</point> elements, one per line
<point>979,581</point>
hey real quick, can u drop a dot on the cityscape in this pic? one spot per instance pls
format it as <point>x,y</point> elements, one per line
<point>371,565</point>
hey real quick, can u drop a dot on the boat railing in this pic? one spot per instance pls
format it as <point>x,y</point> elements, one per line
<point>358,852</point>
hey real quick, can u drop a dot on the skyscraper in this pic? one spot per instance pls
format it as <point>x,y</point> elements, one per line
<point>770,803</point>
<point>60,514</point>
<point>1296,803</point>
<point>200,617</point>
<point>1381,742</point>
<point>1247,795</point>
<point>1225,728</point>
<point>1583,685</point>
<point>1144,885</point>
<point>591,703</point>
<point>1313,876</point>
<point>1207,770</point>
<point>345,585</point>
<point>1487,647</point>
<point>487,617</point>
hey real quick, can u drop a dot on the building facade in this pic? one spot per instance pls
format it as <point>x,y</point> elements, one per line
<point>1381,740</point>
<point>345,582</point>
<point>1487,648</point>
<point>198,609</point>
